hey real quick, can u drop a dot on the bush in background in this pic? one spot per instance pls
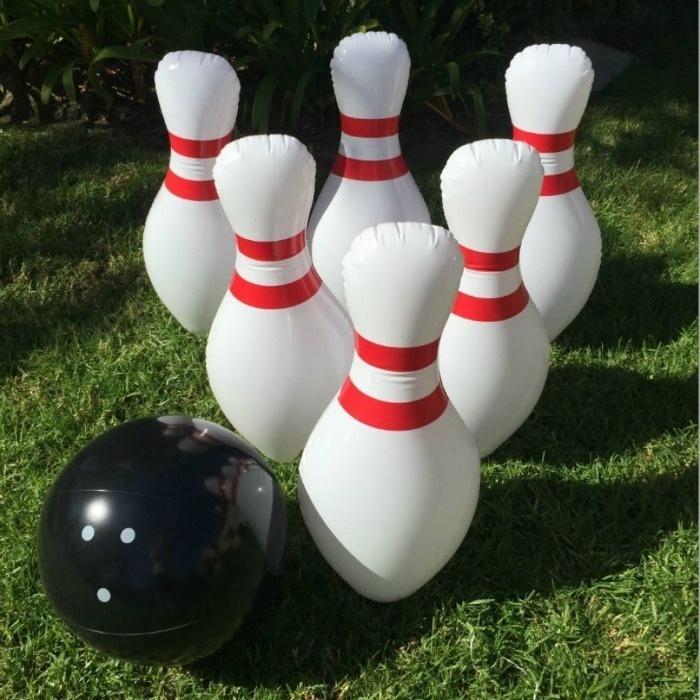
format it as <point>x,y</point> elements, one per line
<point>98,56</point>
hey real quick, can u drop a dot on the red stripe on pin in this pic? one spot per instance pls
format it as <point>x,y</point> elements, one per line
<point>280,296</point>
<point>194,148</point>
<point>195,190</point>
<point>271,251</point>
<point>396,359</point>
<point>546,143</point>
<point>391,415</point>
<point>480,261</point>
<point>369,170</point>
<point>491,308</point>
<point>369,128</point>
<point>561,183</point>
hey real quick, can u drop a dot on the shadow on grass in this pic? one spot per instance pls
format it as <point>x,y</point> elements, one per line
<point>27,326</point>
<point>632,304</point>
<point>63,240</point>
<point>70,193</point>
<point>526,535</point>
<point>589,412</point>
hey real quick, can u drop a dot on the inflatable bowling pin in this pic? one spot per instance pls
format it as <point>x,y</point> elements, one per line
<point>547,88</point>
<point>389,479</point>
<point>494,352</point>
<point>369,182</point>
<point>188,245</point>
<point>280,345</point>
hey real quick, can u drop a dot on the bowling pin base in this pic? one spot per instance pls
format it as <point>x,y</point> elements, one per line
<point>560,258</point>
<point>362,580</point>
<point>494,373</point>
<point>385,511</point>
<point>189,255</point>
<point>273,372</point>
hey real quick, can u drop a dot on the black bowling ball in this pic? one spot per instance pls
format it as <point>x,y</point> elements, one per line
<point>158,536</point>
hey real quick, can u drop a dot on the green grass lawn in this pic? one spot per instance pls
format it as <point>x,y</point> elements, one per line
<point>578,578</point>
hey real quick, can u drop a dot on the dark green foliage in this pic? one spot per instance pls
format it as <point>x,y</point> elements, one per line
<point>96,52</point>
<point>76,45</point>
<point>101,53</point>
<point>430,30</point>
<point>286,48</point>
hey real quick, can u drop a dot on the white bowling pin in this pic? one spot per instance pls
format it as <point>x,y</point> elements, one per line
<point>369,182</point>
<point>547,88</point>
<point>389,479</point>
<point>494,352</point>
<point>188,245</point>
<point>280,345</point>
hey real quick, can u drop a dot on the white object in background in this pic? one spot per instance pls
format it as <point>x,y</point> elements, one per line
<point>389,479</point>
<point>188,244</point>
<point>547,88</point>
<point>280,345</point>
<point>494,352</point>
<point>369,182</point>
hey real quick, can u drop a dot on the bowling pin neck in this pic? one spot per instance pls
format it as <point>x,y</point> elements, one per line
<point>490,275</point>
<point>197,148</point>
<point>393,388</point>
<point>373,148</point>
<point>557,158</point>
<point>369,149</point>
<point>191,178</point>
<point>491,287</point>
<point>274,274</point>
<point>191,168</point>
<point>273,262</point>
<point>189,174</point>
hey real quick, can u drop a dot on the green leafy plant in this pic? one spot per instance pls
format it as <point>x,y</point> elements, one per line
<point>77,44</point>
<point>438,75</point>
<point>287,48</point>
<point>87,49</point>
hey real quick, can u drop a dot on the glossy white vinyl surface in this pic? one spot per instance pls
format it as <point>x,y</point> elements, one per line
<point>389,508</point>
<point>547,88</point>
<point>188,246</point>
<point>370,76</point>
<point>273,370</point>
<point>494,371</point>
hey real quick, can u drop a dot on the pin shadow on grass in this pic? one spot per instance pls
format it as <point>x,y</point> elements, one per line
<point>633,304</point>
<point>591,412</point>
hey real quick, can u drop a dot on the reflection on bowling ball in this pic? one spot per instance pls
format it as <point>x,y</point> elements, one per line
<point>158,537</point>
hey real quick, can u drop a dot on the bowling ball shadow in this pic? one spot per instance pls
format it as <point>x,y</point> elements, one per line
<point>632,304</point>
<point>526,535</point>
<point>589,412</point>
